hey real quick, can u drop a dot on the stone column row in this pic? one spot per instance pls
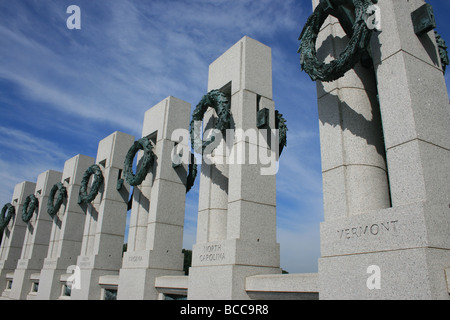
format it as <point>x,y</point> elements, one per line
<point>76,254</point>
<point>64,256</point>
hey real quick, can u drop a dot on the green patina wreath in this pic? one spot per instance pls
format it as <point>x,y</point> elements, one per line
<point>84,197</point>
<point>443,53</point>
<point>52,207</point>
<point>219,102</point>
<point>355,27</point>
<point>29,206</point>
<point>280,124</point>
<point>147,162</point>
<point>192,174</point>
<point>10,211</point>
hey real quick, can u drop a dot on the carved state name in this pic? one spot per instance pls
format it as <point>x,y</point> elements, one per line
<point>374,229</point>
<point>212,253</point>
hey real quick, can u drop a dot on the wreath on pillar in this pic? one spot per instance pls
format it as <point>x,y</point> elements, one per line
<point>219,102</point>
<point>280,124</point>
<point>147,162</point>
<point>356,28</point>
<point>29,206</point>
<point>8,211</point>
<point>443,53</point>
<point>192,174</point>
<point>52,207</point>
<point>84,197</point>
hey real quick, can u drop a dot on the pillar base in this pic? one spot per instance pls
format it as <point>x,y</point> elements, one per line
<point>223,282</point>
<point>408,245</point>
<point>219,268</point>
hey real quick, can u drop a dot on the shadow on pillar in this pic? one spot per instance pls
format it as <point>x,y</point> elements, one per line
<point>360,126</point>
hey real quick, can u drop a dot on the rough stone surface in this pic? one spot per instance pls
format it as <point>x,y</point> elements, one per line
<point>351,136</point>
<point>36,239</point>
<point>157,217</point>
<point>13,236</point>
<point>402,247</point>
<point>104,228</point>
<point>236,234</point>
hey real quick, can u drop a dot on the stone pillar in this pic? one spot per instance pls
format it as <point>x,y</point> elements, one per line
<point>351,136</point>
<point>415,108</point>
<point>66,233</point>
<point>236,233</point>
<point>104,228</point>
<point>155,236</point>
<point>36,240</point>
<point>13,236</point>
<point>213,191</point>
<point>399,252</point>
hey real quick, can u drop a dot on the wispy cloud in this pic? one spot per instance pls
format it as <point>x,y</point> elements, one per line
<point>130,58</point>
<point>23,158</point>
<point>68,89</point>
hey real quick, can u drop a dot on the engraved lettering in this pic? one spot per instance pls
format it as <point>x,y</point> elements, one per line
<point>374,229</point>
<point>135,258</point>
<point>49,264</point>
<point>393,225</point>
<point>212,253</point>
<point>365,229</point>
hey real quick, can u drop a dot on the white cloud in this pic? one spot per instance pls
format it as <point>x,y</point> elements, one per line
<point>23,158</point>
<point>138,53</point>
<point>128,56</point>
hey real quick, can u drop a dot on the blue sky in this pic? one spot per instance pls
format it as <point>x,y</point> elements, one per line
<point>62,91</point>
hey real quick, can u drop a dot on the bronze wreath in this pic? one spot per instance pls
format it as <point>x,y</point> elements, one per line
<point>10,211</point>
<point>147,162</point>
<point>52,207</point>
<point>84,197</point>
<point>29,206</point>
<point>219,102</point>
<point>360,37</point>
